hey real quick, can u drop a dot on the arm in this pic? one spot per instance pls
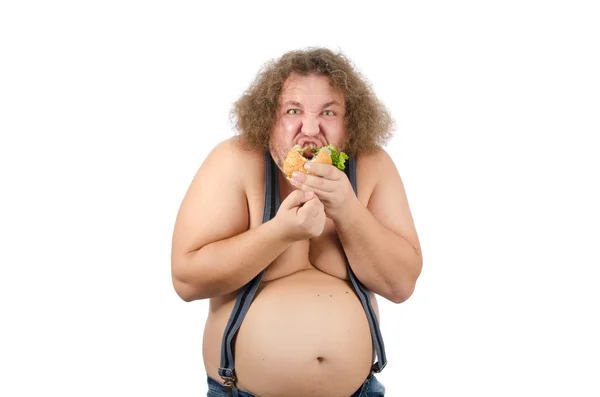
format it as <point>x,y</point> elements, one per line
<point>380,240</point>
<point>213,252</point>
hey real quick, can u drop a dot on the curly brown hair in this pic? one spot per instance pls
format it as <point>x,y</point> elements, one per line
<point>368,123</point>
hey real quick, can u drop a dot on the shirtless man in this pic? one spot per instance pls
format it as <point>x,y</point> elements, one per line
<point>305,332</point>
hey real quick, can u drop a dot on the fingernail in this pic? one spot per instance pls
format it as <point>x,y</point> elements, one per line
<point>307,166</point>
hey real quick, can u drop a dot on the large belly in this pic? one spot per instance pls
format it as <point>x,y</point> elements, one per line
<point>305,334</point>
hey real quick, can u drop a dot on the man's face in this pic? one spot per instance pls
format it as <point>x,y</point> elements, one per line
<point>310,113</point>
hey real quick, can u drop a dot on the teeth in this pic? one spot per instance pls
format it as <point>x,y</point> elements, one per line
<point>308,145</point>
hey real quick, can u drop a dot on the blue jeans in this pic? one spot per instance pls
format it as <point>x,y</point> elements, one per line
<point>370,388</point>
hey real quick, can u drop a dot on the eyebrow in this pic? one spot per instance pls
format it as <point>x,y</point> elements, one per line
<point>298,104</point>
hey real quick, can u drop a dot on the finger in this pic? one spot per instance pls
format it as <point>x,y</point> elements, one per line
<point>297,198</point>
<point>312,208</point>
<point>327,171</point>
<point>323,197</point>
<point>320,209</point>
<point>313,182</point>
<point>306,188</point>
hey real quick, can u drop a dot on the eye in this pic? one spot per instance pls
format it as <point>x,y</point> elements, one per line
<point>328,113</point>
<point>293,111</point>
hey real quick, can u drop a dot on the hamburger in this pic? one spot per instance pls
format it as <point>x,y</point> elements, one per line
<point>298,156</point>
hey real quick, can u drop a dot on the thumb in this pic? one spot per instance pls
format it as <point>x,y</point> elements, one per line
<point>296,198</point>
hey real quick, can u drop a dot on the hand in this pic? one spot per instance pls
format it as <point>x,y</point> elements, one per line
<point>331,186</point>
<point>301,216</point>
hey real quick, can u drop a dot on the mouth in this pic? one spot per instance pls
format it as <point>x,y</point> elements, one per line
<point>309,152</point>
<point>310,143</point>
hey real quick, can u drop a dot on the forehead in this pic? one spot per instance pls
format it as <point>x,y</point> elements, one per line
<point>317,87</point>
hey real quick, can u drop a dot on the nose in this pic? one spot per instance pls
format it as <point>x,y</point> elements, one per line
<point>310,126</point>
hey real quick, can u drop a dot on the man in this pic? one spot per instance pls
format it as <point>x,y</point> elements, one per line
<point>292,266</point>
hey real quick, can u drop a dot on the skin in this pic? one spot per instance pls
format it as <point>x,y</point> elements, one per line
<point>306,315</point>
<point>310,112</point>
<point>384,250</point>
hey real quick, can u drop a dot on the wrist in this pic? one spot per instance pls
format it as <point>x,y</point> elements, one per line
<point>282,231</point>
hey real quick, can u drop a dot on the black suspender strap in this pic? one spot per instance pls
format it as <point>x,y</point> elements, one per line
<point>363,293</point>
<point>246,293</point>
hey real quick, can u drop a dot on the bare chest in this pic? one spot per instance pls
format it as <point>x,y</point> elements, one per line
<point>324,253</point>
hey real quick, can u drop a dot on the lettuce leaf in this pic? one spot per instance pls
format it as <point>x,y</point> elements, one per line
<point>337,158</point>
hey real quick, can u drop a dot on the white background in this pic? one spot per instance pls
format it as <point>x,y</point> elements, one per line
<point>108,108</point>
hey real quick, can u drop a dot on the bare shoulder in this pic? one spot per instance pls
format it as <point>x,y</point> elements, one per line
<point>215,205</point>
<point>376,158</point>
<point>373,167</point>
<point>236,149</point>
<point>388,200</point>
<point>230,161</point>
